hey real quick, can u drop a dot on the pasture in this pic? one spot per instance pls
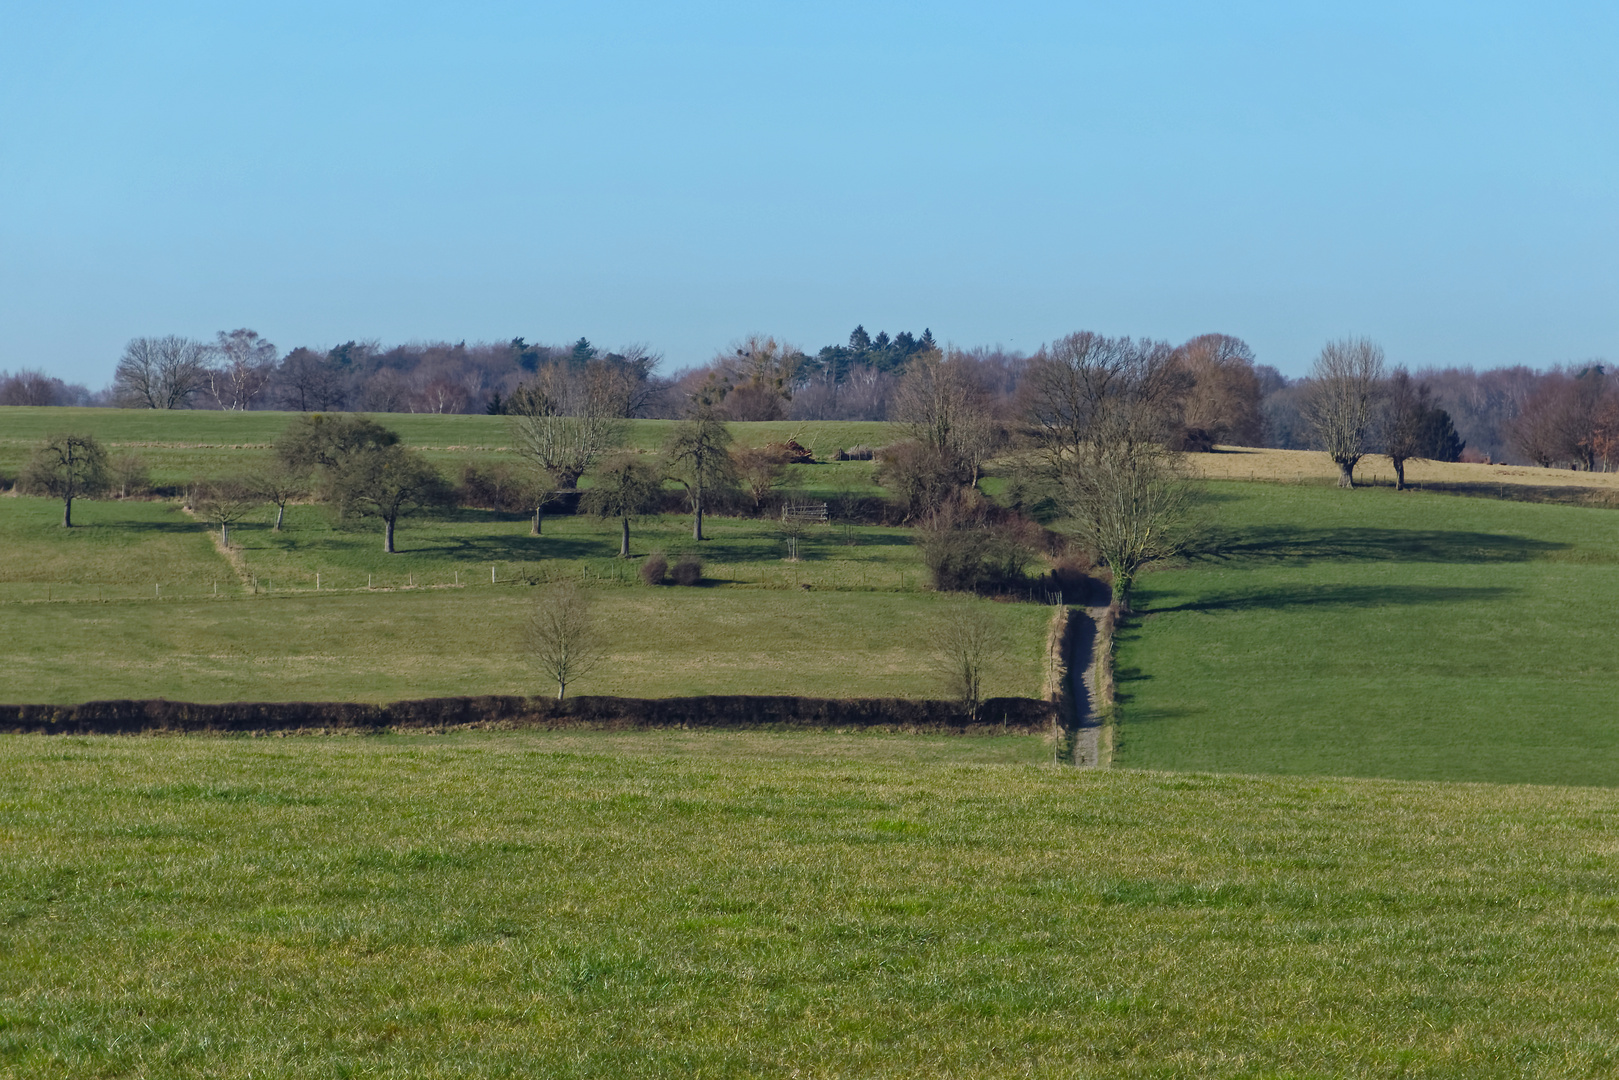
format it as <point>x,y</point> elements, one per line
<point>1379,633</point>
<point>676,904</point>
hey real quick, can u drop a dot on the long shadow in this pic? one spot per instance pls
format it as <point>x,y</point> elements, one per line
<point>1338,596</point>
<point>483,549</point>
<point>1286,543</point>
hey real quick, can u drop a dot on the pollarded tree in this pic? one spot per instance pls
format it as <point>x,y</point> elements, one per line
<point>1343,393</point>
<point>698,455</point>
<point>562,421</point>
<point>67,466</point>
<point>623,487</point>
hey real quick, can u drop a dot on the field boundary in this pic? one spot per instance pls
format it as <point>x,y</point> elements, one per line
<point>1011,716</point>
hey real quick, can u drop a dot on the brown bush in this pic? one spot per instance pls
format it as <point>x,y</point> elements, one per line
<point>654,568</point>
<point>688,571</point>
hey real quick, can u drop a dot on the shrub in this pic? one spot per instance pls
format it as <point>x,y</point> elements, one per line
<point>973,557</point>
<point>654,568</point>
<point>854,453</point>
<point>496,485</point>
<point>688,571</point>
<point>922,478</point>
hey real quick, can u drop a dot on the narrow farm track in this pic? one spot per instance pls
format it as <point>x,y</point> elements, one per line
<point>1082,669</point>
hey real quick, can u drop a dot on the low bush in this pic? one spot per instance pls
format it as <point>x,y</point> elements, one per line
<point>688,571</point>
<point>973,556</point>
<point>654,568</point>
<point>854,453</point>
<point>495,486</point>
<point>921,478</point>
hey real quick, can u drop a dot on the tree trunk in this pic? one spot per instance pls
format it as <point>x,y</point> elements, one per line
<point>67,512</point>
<point>1399,474</point>
<point>697,520</point>
<point>1346,474</point>
<point>562,688</point>
<point>280,513</point>
<point>224,536</point>
<point>624,539</point>
<point>535,529</point>
<point>1122,584</point>
<point>388,535</point>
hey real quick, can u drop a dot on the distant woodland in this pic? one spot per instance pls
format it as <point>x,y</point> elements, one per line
<point>1565,415</point>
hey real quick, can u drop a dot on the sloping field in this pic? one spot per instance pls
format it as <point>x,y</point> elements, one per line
<point>753,905</point>
<point>1376,633</point>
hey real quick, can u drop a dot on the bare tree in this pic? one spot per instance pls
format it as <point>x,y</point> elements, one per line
<point>245,364</point>
<point>1086,387</point>
<point>941,404</point>
<point>563,636</point>
<point>307,382</point>
<point>625,487</point>
<point>1128,503</point>
<point>967,642</point>
<point>161,373</point>
<point>697,455</point>
<point>760,469</point>
<point>1414,427</point>
<point>1345,382</point>
<point>67,466</point>
<point>31,386</point>
<point>130,475</point>
<point>562,422</point>
<point>1222,403</point>
<point>223,503</point>
<point>279,483</point>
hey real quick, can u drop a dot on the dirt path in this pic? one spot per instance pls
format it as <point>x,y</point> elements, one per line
<point>1082,669</point>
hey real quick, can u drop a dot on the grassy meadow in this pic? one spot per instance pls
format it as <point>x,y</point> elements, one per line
<point>1380,633</point>
<point>673,904</point>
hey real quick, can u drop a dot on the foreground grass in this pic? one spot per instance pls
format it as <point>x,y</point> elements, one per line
<point>1375,633</point>
<point>525,904</point>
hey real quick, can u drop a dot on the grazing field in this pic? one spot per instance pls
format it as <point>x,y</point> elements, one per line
<point>183,445</point>
<point>1376,633</point>
<point>663,904</point>
<point>140,602</point>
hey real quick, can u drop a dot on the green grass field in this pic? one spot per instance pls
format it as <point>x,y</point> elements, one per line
<point>184,445</point>
<point>672,904</point>
<point>1376,633</point>
<point>138,601</point>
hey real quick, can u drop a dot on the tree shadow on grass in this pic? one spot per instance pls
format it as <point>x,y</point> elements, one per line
<point>1338,596</point>
<point>1288,544</point>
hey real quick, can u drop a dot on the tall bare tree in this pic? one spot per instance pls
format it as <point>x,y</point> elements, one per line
<point>697,454</point>
<point>563,636</point>
<point>68,466</point>
<point>161,373</point>
<point>1222,403</point>
<point>562,421</point>
<point>1130,504</point>
<point>1344,386</point>
<point>941,403</point>
<point>244,364</point>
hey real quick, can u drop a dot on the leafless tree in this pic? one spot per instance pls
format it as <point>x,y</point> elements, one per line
<point>67,466</point>
<point>625,486</point>
<point>1345,382</point>
<point>697,454</point>
<point>1563,420</point>
<point>31,387</point>
<point>967,642</point>
<point>223,503</point>
<point>244,364</point>
<point>563,636</point>
<point>161,373</point>
<point>563,422</point>
<point>279,484</point>
<point>941,404</point>
<point>1086,387</point>
<point>1222,403</point>
<point>130,475</point>
<point>760,469</point>
<point>307,383</point>
<point>1130,504</point>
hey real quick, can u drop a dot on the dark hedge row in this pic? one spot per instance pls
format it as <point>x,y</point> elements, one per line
<point>1012,715</point>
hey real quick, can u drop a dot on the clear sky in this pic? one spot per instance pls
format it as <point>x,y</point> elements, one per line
<point>1443,177</point>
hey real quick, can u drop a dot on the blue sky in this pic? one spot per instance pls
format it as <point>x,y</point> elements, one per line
<point>1442,177</point>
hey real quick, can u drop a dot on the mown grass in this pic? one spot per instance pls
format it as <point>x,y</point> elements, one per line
<point>1375,633</point>
<point>664,905</point>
